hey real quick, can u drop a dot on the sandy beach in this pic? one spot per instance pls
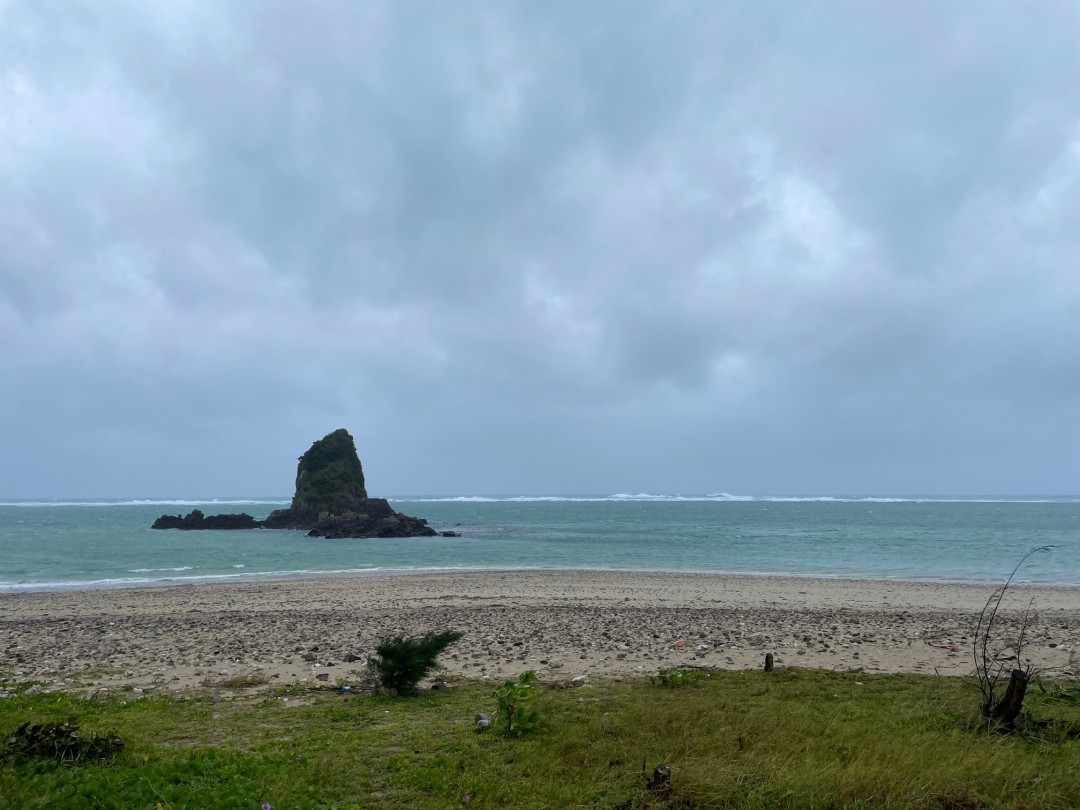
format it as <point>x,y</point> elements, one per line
<point>564,624</point>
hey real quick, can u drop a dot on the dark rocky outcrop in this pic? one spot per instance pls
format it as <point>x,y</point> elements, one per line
<point>377,519</point>
<point>197,520</point>
<point>330,501</point>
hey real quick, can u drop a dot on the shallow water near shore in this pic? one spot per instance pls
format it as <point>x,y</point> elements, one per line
<point>109,543</point>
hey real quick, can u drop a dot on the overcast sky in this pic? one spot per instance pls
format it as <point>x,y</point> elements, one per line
<point>540,247</point>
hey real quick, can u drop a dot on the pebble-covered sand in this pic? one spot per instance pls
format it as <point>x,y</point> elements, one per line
<point>561,623</point>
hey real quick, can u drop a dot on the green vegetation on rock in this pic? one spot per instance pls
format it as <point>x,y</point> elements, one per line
<point>329,478</point>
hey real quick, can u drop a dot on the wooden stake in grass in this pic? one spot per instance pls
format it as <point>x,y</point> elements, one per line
<point>660,783</point>
<point>1010,705</point>
<point>768,662</point>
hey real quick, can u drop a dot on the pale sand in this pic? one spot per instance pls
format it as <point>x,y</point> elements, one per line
<point>561,623</point>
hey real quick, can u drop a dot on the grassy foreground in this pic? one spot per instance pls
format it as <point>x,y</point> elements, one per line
<point>790,739</point>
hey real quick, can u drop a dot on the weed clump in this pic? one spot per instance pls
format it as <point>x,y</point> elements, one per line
<point>62,742</point>
<point>675,678</point>
<point>402,661</point>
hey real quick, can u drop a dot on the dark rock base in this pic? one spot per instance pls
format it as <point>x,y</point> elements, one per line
<point>375,518</point>
<point>197,520</point>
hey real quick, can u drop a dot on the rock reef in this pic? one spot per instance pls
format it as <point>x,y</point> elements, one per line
<point>197,520</point>
<point>330,501</point>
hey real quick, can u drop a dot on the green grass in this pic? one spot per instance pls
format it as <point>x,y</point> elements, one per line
<point>244,681</point>
<point>791,739</point>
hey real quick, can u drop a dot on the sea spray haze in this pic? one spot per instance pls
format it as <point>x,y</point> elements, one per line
<point>109,543</point>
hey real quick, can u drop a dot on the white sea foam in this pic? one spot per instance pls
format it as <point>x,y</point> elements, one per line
<point>722,497</point>
<point>154,570</point>
<point>641,497</point>
<point>129,582</point>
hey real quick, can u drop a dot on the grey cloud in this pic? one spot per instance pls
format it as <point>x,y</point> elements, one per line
<point>768,247</point>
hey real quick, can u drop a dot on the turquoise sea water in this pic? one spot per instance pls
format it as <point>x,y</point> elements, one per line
<point>101,543</point>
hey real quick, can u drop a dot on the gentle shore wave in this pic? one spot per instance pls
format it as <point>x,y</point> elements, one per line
<point>285,576</point>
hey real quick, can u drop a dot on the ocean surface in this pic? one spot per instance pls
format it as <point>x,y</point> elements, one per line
<point>109,543</point>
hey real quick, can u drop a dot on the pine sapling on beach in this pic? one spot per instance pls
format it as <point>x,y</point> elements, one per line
<point>401,662</point>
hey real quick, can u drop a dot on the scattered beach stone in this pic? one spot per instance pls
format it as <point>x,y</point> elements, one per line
<point>483,721</point>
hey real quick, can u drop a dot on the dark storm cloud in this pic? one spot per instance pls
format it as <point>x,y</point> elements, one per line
<point>681,246</point>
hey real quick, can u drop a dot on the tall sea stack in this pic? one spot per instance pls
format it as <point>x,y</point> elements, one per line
<point>329,478</point>
<point>330,501</point>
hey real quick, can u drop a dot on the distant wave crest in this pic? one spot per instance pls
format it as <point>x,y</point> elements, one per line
<point>641,497</point>
<point>723,497</point>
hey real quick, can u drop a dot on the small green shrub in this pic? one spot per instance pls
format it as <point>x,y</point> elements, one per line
<point>1063,691</point>
<point>402,661</point>
<point>675,678</point>
<point>516,714</point>
<point>62,742</point>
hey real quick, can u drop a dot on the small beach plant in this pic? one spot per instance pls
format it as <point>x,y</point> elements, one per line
<point>401,662</point>
<point>516,714</point>
<point>674,678</point>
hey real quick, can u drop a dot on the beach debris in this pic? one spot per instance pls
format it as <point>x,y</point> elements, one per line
<point>678,645</point>
<point>483,721</point>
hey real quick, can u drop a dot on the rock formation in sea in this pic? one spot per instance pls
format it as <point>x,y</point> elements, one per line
<point>330,501</point>
<point>197,520</point>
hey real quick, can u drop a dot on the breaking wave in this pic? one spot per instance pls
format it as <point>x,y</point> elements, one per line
<point>723,497</point>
